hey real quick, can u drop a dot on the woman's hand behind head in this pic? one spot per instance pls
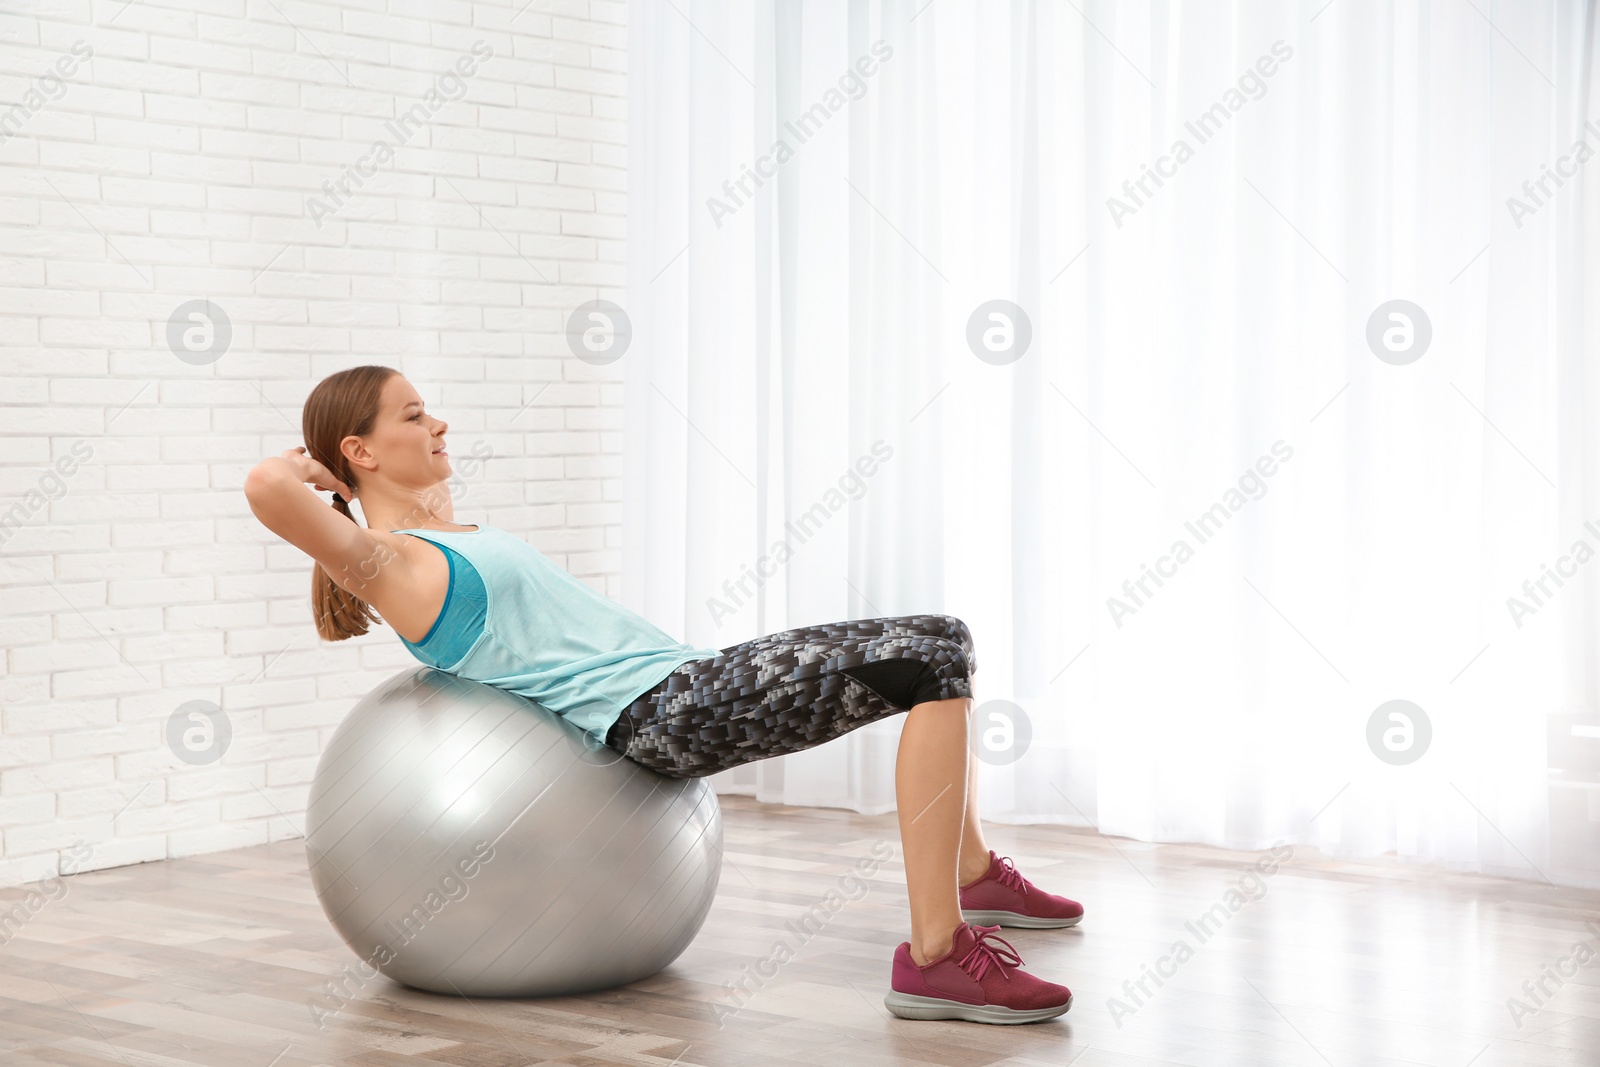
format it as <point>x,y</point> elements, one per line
<point>320,477</point>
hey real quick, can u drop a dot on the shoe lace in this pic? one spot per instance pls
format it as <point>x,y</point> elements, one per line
<point>1011,877</point>
<point>982,954</point>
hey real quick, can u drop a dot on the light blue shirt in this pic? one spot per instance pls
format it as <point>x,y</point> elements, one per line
<point>514,619</point>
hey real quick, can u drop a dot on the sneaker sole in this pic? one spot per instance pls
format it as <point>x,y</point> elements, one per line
<point>1011,918</point>
<point>911,1006</point>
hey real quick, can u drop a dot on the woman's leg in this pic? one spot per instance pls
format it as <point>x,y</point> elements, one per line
<point>930,780</point>
<point>794,690</point>
<point>974,849</point>
<point>927,765</point>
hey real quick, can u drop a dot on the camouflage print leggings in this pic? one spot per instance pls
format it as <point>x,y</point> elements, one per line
<point>793,690</point>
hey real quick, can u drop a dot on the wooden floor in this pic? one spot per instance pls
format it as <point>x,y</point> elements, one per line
<point>212,960</point>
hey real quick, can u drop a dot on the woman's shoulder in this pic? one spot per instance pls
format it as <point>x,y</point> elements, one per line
<point>408,581</point>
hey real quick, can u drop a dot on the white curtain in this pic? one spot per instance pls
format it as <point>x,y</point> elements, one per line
<point>811,436</point>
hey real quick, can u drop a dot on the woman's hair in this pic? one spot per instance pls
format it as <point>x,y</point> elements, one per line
<point>343,404</point>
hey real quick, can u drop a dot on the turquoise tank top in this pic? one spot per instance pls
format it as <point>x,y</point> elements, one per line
<point>514,619</point>
<point>460,620</point>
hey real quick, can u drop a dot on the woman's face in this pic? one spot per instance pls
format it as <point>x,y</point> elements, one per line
<point>407,442</point>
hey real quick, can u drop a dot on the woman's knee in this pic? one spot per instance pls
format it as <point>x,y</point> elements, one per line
<point>948,662</point>
<point>962,635</point>
<point>963,650</point>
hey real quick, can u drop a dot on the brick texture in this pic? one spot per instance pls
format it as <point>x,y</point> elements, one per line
<point>431,186</point>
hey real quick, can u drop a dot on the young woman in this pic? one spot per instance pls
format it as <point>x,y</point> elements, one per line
<point>484,604</point>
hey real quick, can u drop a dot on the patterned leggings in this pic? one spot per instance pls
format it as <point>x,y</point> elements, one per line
<point>793,690</point>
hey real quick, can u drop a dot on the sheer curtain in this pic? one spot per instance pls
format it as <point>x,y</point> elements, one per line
<point>1208,497</point>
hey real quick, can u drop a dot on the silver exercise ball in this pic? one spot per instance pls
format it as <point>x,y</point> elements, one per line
<point>463,839</point>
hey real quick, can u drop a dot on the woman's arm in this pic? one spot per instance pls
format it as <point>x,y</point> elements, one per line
<point>349,553</point>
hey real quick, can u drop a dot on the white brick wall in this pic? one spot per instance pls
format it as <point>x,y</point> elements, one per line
<point>176,162</point>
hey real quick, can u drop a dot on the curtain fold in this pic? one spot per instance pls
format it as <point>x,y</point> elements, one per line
<point>1100,329</point>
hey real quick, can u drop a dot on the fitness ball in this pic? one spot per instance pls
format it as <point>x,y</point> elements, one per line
<point>466,840</point>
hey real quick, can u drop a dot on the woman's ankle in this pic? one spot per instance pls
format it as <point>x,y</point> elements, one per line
<point>925,952</point>
<point>967,873</point>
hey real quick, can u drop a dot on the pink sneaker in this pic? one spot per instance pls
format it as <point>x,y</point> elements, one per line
<point>976,981</point>
<point>1003,897</point>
